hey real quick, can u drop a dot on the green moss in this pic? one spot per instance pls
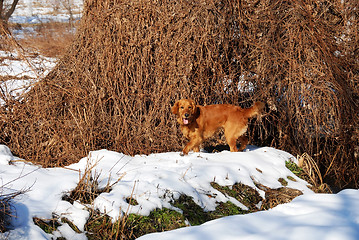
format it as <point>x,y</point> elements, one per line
<point>131,201</point>
<point>101,227</point>
<point>227,209</point>
<point>291,178</point>
<point>196,215</point>
<point>283,181</point>
<point>243,193</point>
<point>158,221</point>
<point>191,211</point>
<point>47,225</point>
<point>294,168</point>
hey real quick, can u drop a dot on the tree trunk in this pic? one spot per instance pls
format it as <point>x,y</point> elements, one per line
<point>6,13</point>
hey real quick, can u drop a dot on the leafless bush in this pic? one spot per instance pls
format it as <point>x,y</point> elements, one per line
<point>131,60</point>
<point>7,210</point>
<point>5,213</point>
<point>7,8</point>
<point>302,52</point>
<point>49,39</point>
<point>88,188</point>
<point>5,42</point>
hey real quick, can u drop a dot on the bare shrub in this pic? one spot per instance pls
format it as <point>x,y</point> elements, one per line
<point>302,53</point>
<point>313,174</point>
<point>130,61</point>
<point>6,41</point>
<point>7,210</point>
<point>7,8</point>
<point>88,188</point>
<point>5,213</point>
<point>49,39</point>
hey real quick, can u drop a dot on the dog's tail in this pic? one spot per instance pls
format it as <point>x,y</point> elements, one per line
<point>255,110</point>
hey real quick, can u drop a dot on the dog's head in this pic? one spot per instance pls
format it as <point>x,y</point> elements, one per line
<point>186,110</point>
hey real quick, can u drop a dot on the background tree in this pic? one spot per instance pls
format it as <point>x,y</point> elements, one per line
<point>7,8</point>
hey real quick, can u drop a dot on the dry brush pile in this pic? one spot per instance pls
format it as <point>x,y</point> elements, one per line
<point>131,60</point>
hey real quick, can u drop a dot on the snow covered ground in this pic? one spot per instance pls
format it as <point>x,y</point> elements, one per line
<point>33,11</point>
<point>157,179</point>
<point>310,217</point>
<point>21,74</point>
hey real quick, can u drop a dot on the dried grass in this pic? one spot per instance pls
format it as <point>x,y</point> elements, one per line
<point>87,189</point>
<point>49,39</point>
<point>7,211</point>
<point>130,61</point>
<point>312,171</point>
<point>274,197</point>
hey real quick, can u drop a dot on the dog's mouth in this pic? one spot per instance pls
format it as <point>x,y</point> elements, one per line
<point>185,121</point>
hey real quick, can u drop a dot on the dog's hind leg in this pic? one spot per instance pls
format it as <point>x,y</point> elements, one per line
<point>231,140</point>
<point>234,131</point>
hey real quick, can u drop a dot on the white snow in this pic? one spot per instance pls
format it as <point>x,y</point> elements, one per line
<point>22,74</point>
<point>14,65</point>
<point>311,216</point>
<point>157,179</point>
<point>34,12</point>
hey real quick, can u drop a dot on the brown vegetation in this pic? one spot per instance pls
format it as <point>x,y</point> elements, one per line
<point>7,8</point>
<point>7,210</point>
<point>131,60</point>
<point>49,39</point>
<point>5,213</point>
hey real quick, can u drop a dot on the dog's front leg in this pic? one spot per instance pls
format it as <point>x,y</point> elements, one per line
<point>193,144</point>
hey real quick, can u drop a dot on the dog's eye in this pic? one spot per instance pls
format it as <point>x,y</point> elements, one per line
<point>182,107</point>
<point>189,107</point>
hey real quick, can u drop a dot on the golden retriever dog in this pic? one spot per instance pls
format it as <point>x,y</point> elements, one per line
<point>199,123</point>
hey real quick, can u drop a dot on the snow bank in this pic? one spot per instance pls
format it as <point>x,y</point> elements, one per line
<point>154,181</point>
<point>310,217</point>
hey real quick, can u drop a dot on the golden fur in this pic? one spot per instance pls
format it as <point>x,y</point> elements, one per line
<point>198,123</point>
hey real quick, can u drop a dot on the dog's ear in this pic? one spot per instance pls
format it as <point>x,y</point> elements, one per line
<point>194,107</point>
<point>196,111</point>
<point>174,108</point>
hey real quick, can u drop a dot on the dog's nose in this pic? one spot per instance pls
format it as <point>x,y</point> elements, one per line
<point>186,115</point>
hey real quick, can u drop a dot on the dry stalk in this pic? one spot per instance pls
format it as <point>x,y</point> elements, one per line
<point>310,167</point>
<point>7,211</point>
<point>87,189</point>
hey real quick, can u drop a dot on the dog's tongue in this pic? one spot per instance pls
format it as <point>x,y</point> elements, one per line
<point>185,121</point>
